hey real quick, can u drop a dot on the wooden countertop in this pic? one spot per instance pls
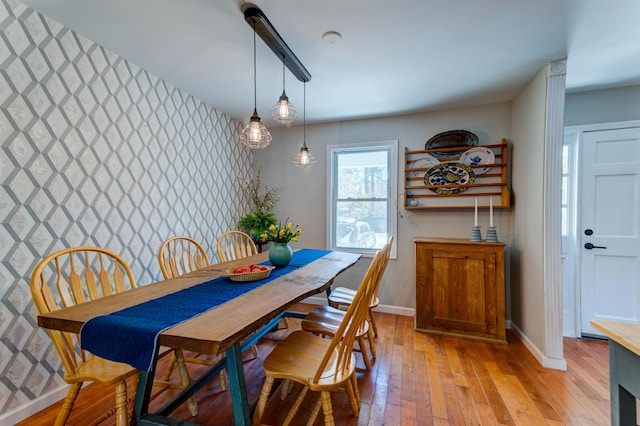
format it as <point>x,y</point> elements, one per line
<point>623,333</point>
<point>453,241</point>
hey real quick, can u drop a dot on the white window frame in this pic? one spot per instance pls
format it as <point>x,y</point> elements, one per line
<point>392,220</point>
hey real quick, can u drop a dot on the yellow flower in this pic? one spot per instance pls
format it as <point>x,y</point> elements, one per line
<point>279,233</point>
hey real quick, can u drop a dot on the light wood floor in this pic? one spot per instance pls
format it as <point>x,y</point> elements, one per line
<point>418,379</point>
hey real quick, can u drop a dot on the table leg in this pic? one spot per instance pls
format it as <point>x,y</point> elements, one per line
<point>241,412</point>
<point>143,392</point>
<point>624,384</point>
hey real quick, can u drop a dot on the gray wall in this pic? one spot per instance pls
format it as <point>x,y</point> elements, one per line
<point>95,151</point>
<point>602,106</point>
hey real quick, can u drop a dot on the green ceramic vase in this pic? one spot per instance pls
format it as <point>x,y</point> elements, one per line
<point>280,254</point>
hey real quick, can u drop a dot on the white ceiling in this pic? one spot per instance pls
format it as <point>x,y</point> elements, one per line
<point>395,57</point>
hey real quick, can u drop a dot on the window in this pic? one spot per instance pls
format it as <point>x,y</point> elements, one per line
<point>362,194</point>
<point>565,189</point>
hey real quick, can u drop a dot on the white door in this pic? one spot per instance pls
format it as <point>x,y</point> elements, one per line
<point>610,227</point>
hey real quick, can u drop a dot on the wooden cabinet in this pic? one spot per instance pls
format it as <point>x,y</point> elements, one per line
<point>460,288</point>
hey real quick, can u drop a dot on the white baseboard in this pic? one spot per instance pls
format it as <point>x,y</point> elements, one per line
<point>32,407</point>
<point>545,361</point>
<point>387,309</point>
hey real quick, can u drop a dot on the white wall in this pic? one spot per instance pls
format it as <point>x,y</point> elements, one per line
<point>304,193</point>
<point>527,295</point>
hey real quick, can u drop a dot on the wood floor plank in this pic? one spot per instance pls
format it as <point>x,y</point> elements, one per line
<point>424,412</point>
<point>416,379</point>
<point>493,395</point>
<point>504,386</point>
<point>438,404</point>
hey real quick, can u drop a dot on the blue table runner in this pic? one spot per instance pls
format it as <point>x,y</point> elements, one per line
<point>131,334</point>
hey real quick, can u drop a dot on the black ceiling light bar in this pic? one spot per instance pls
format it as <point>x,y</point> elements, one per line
<point>266,31</point>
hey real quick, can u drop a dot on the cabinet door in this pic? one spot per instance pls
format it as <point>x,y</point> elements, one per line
<point>458,290</point>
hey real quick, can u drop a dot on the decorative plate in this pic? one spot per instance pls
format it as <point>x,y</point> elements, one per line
<point>478,155</point>
<point>425,162</point>
<point>452,138</point>
<point>449,174</point>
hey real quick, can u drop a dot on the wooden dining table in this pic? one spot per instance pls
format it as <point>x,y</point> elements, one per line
<point>225,330</point>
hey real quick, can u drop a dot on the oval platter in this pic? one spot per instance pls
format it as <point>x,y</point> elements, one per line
<point>452,138</point>
<point>449,174</point>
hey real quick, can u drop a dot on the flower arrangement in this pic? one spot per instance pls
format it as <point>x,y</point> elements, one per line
<point>282,234</point>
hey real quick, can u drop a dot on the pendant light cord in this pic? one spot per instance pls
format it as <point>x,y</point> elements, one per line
<point>255,81</point>
<point>304,113</point>
<point>283,71</point>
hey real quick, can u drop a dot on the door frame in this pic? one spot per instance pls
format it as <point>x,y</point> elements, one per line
<point>571,253</point>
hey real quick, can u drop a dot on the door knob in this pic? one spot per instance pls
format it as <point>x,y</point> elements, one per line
<point>590,246</point>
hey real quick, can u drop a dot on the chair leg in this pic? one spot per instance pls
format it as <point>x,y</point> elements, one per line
<point>372,321</point>
<point>314,413</point>
<point>285,389</point>
<point>67,405</point>
<point>170,366</point>
<point>356,392</point>
<point>372,344</point>
<point>262,402</point>
<point>296,406</point>
<point>363,351</point>
<point>223,379</point>
<point>185,380</point>
<point>351,386</point>
<point>121,404</point>
<point>327,409</point>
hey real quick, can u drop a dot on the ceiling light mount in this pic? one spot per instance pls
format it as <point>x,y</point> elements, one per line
<point>255,17</point>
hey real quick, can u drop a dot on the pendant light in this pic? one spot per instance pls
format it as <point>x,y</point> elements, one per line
<point>283,112</point>
<point>255,135</point>
<point>304,159</point>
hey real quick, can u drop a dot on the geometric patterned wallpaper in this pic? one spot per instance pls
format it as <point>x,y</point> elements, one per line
<point>95,151</point>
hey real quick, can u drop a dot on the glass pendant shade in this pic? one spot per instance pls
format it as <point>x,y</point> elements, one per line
<point>255,135</point>
<point>283,112</point>
<point>304,159</point>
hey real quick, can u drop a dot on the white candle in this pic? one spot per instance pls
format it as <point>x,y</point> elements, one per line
<point>490,211</point>
<point>475,216</point>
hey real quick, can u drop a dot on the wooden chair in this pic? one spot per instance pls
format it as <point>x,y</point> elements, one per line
<point>177,256</point>
<point>325,320</point>
<point>234,245</point>
<point>319,364</point>
<point>76,275</point>
<point>341,297</point>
